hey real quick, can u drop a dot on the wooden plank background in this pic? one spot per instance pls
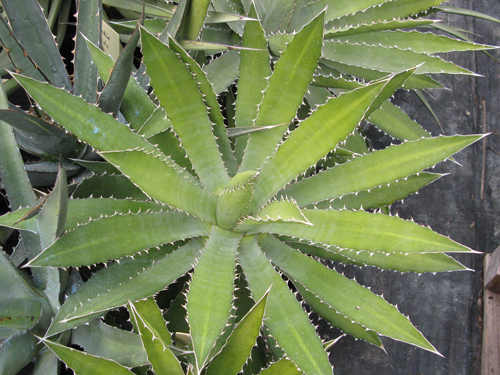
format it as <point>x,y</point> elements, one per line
<point>447,307</point>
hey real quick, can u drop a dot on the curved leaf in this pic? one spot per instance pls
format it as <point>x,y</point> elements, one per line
<point>130,280</point>
<point>362,306</point>
<point>337,319</point>
<point>118,236</point>
<point>88,27</point>
<point>210,292</point>
<point>284,316</point>
<point>214,112</point>
<point>313,139</point>
<point>136,106</point>
<point>402,262</point>
<point>235,353</point>
<point>86,364</point>
<point>160,179</point>
<point>111,96</point>
<point>360,230</point>
<point>285,92</point>
<point>416,41</point>
<point>396,123</point>
<point>163,361</point>
<point>39,137</point>
<point>179,94</point>
<point>31,29</point>
<point>377,168</point>
<point>282,367</point>
<point>111,343</point>
<point>390,60</point>
<point>383,195</point>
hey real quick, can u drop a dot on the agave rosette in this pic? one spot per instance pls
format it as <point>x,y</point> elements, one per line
<point>218,206</point>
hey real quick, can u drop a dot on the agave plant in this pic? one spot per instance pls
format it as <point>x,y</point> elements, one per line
<point>268,206</point>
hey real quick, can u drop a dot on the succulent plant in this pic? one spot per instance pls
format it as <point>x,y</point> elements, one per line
<point>264,216</point>
<point>237,204</point>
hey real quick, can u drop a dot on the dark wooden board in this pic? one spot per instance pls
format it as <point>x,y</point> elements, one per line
<point>490,359</point>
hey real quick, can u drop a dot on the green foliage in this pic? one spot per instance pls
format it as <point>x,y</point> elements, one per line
<point>174,196</point>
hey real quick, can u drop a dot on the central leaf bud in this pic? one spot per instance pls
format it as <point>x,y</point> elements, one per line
<point>234,200</point>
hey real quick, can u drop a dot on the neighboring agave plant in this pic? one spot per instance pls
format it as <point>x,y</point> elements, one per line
<point>251,212</point>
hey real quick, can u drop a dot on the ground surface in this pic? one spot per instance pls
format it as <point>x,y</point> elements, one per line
<point>464,206</point>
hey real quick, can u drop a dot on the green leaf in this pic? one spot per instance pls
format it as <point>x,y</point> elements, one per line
<point>314,139</point>
<point>14,178</point>
<point>389,60</point>
<point>168,143</point>
<point>136,233</point>
<point>52,217</point>
<point>377,168</point>
<point>85,364</point>
<point>179,94</point>
<point>467,12</point>
<point>386,11</point>
<point>41,138</point>
<point>285,92</point>
<point>376,27</point>
<point>88,27</point>
<point>396,123</point>
<point>282,367</point>
<point>81,211</point>
<point>254,70</point>
<point>136,106</point>
<point>214,111</point>
<point>111,343</point>
<point>18,315</point>
<point>223,71</point>
<point>337,8</point>
<point>181,192</point>
<point>14,285</point>
<point>418,81</point>
<point>108,186</point>
<point>234,200</point>
<point>84,120</point>
<point>360,230</point>
<point>362,306</point>
<point>208,47</point>
<point>195,17</point>
<point>31,29</point>
<point>98,167</point>
<point>16,352</point>
<point>337,319</point>
<point>150,312</point>
<point>210,292</point>
<point>151,7</point>
<point>17,55</point>
<point>286,320</point>
<point>162,359</point>
<point>234,354</point>
<point>402,262</point>
<point>174,24</point>
<point>112,94</point>
<point>131,279</point>
<point>154,25</point>
<point>383,195</point>
<point>246,130</point>
<point>156,123</point>
<point>276,212</point>
<point>416,41</point>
